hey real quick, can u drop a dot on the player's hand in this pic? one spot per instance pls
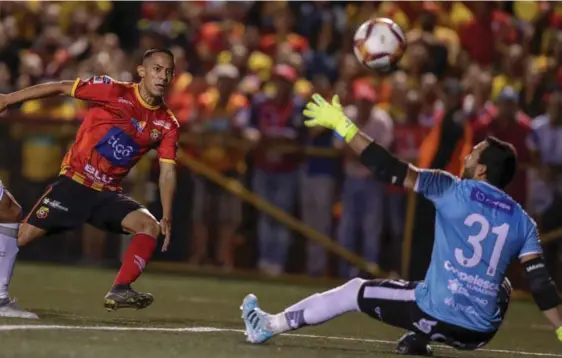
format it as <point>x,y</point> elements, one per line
<point>166,228</point>
<point>331,116</point>
<point>559,333</point>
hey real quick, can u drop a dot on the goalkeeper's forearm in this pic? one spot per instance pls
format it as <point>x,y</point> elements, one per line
<point>543,288</point>
<point>384,166</point>
<point>40,91</point>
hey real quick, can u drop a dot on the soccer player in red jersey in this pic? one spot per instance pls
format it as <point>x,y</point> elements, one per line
<point>125,121</point>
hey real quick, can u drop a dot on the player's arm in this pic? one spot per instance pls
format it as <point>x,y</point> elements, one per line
<point>42,90</point>
<point>541,284</point>
<point>387,168</point>
<point>167,151</point>
<point>384,166</point>
<point>543,290</point>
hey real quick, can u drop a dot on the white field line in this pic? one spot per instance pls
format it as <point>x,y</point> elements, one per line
<point>5,328</point>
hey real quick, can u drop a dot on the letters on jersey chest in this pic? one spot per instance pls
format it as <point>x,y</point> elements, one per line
<point>136,131</point>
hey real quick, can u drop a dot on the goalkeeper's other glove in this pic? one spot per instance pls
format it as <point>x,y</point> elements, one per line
<point>331,116</point>
<point>559,333</point>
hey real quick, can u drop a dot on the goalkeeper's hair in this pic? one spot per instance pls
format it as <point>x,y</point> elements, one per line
<point>500,159</point>
<point>148,54</point>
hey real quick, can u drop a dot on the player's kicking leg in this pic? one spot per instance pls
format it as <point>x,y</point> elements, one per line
<point>120,214</point>
<point>313,310</point>
<point>392,302</point>
<point>146,230</point>
<point>10,215</point>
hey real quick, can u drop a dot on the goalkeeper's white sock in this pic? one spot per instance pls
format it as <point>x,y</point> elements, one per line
<point>8,252</point>
<point>318,308</point>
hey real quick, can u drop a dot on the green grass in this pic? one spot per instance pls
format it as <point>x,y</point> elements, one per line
<point>73,296</point>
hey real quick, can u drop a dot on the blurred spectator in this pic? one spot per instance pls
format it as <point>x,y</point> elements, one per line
<point>545,143</point>
<point>442,43</point>
<point>362,195</point>
<point>317,188</point>
<point>508,123</point>
<point>409,133</point>
<point>220,116</point>
<point>276,121</point>
<point>482,36</point>
<point>512,71</point>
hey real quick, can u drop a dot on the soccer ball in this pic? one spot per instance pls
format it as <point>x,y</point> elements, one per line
<point>379,44</point>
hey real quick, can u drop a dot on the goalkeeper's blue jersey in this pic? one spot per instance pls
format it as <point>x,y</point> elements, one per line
<point>478,231</point>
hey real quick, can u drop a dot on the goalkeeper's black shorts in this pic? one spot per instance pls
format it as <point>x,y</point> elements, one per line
<point>395,304</point>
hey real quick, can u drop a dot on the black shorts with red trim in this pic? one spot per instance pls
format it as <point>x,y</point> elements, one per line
<point>66,205</point>
<point>393,302</point>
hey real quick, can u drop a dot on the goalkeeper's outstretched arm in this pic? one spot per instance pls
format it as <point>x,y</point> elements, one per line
<point>385,166</point>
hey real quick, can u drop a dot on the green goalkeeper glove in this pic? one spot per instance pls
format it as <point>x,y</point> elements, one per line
<point>331,116</point>
<point>559,333</point>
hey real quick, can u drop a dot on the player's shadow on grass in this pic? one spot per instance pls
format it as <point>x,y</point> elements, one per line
<point>360,348</point>
<point>114,318</point>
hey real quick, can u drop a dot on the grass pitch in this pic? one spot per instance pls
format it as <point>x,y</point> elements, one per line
<point>200,317</point>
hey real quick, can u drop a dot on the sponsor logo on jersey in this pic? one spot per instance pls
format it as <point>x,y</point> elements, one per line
<point>42,212</point>
<point>155,134</point>
<point>162,123</point>
<point>55,204</point>
<point>494,203</point>
<point>95,175</point>
<point>473,282</point>
<point>123,100</point>
<point>457,289</point>
<point>117,147</point>
<point>449,301</point>
<point>101,79</point>
<point>138,124</point>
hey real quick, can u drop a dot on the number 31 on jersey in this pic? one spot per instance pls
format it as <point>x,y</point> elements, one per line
<point>500,233</point>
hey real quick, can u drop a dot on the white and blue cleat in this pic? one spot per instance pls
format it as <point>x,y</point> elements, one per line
<point>257,321</point>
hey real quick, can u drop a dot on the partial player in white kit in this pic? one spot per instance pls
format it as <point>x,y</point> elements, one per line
<point>10,216</point>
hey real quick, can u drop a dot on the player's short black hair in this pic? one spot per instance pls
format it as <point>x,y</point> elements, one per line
<point>148,54</point>
<point>500,159</point>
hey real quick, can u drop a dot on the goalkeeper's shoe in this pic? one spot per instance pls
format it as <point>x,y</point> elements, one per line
<point>258,329</point>
<point>414,344</point>
<point>119,298</point>
<point>9,308</point>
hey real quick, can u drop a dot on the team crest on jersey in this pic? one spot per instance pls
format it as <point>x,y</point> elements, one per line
<point>155,134</point>
<point>42,212</point>
<point>138,124</point>
<point>101,79</point>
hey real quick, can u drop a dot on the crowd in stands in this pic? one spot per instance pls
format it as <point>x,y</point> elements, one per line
<point>245,69</point>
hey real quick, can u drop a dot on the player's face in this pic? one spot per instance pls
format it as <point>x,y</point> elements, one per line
<point>158,74</point>
<point>472,168</point>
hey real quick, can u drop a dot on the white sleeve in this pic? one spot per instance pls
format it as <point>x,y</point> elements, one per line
<point>1,190</point>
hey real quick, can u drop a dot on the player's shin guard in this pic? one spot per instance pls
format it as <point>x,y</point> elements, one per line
<point>136,257</point>
<point>8,252</point>
<point>319,307</point>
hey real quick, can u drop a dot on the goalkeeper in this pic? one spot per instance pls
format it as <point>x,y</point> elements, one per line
<point>479,230</point>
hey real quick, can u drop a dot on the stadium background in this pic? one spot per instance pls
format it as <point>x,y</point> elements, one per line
<point>505,57</point>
